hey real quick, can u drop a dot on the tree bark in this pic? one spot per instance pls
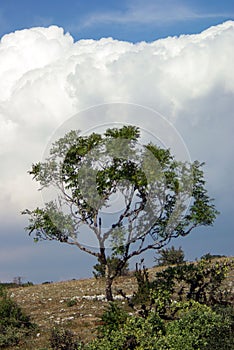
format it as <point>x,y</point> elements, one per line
<point>109,280</point>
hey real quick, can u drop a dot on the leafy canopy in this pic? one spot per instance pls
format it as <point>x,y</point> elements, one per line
<point>89,170</point>
<point>130,197</point>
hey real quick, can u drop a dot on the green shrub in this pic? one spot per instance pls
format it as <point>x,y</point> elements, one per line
<point>198,328</point>
<point>209,256</point>
<point>63,339</point>
<point>201,282</point>
<point>71,302</point>
<point>112,318</point>
<point>142,295</point>
<point>136,333</point>
<point>9,336</point>
<point>170,256</point>
<point>14,324</point>
<point>12,315</point>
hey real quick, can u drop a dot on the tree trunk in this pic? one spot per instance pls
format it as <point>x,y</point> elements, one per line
<point>109,280</point>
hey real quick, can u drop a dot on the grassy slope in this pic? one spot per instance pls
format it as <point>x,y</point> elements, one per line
<point>47,305</point>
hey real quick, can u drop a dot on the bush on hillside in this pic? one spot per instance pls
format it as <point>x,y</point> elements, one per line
<point>63,339</point>
<point>14,324</point>
<point>198,327</point>
<point>170,256</point>
<point>135,333</point>
<point>201,281</point>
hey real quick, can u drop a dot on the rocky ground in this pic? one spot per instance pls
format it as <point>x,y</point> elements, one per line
<point>75,304</point>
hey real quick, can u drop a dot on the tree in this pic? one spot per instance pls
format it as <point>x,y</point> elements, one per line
<point>99,268</point>
<point>18,280</point>
<point>170,256</point>
<point>154,190</point>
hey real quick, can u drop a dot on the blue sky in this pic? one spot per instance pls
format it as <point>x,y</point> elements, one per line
<point>131,20</point>
<point>46,77</point>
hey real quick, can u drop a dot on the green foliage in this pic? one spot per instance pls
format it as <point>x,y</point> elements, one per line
<point>142,296</point>
<point>170,256</point>
<point>169,316</point>
<point>112,318</point>
<point>9,336</point>
<point>135,333</point>
<point>100,267</point>
<point>3,292</point>
<point>198,328</point>
<point>88,170</point>
<point>201,282</point>
<point>148,296</point>
<point>49,223</point>
<point>11,314</point>
<point>63,339</point>
<point>225,311</point>
<point>209,256</point>
<point>9,285</point>
<point>14,324</point>
<point>71,302</point>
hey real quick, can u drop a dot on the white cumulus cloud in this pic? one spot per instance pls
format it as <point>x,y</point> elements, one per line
<point>46,77</point>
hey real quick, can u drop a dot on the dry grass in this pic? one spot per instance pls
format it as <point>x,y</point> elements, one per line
<point>48,305</point>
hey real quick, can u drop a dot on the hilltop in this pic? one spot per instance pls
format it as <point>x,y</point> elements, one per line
<point>76,304</point>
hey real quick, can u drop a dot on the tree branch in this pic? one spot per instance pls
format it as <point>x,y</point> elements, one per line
<point>83,248</point>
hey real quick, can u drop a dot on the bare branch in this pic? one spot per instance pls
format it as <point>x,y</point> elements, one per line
<point>83,248</point>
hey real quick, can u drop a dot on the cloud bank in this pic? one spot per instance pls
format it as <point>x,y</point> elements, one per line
<point>46,77</point>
